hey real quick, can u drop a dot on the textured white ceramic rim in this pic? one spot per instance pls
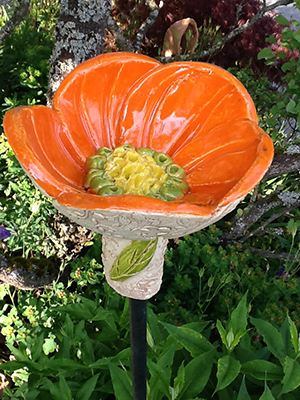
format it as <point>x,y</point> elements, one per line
<point>136,225</point>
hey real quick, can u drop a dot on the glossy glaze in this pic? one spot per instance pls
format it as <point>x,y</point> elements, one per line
<point>197,113</point>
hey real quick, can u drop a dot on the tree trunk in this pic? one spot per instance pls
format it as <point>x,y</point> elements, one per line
<point>79,36</point>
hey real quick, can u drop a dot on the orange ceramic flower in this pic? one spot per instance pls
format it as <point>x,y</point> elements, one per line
<point>197,113</point>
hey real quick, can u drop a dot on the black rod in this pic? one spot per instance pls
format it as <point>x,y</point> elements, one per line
<point>138,329</point>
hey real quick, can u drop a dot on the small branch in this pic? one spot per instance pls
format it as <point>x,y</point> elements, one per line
<point>123,43</point>
<point>283,164</point>
<point>235,32</point>
<point>271,254</point>
<point>4,2</point>
<point>239,230</point>
<point>258,231</point>
<point>19,15</point>
<point>146,25</point>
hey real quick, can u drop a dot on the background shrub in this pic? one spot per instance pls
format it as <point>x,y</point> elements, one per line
<point>218,16</point>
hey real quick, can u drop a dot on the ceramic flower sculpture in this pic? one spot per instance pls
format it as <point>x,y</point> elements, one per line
<point>141,152</point>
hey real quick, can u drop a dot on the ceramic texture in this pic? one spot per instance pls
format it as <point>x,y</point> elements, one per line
<point>141,225</point>
<point>197,113</point>
<point>181,37</point>
<point>146,283</point>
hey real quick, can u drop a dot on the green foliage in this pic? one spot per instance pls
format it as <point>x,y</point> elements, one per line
<point>209,35</point>
<point>24,66</point>
<point>25,314</point>
<point>45,13</point>
<point>289,105</point>
<point>91,358</point>
<point>204,280</point>
<point>24,210</point>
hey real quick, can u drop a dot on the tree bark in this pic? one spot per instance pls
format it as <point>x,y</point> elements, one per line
<point>79,35</point>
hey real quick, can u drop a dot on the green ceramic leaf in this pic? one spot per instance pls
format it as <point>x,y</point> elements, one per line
<point>133,259</point>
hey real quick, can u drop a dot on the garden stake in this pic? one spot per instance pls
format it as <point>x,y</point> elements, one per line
<point>138,328</point>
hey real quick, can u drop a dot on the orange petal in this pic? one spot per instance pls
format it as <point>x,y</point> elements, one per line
<point>88,201</point>
<point>90,98</point>
<point>254,174</point>
<point>172,104</point>
<point>34,135</point>
<point>218,160</point>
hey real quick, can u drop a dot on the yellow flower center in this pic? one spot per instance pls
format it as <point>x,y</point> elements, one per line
<point>135,173</point>
<point>142,172</point>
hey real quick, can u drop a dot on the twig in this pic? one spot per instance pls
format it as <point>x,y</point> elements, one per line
<point>241,226</point>
<point>19,15</point>
<point>206,54</point>
<point>4,2</point>
<point>271,254</point>
<point>283,164</point>
<point>123,43</point>
<point>273,217</point>
<point>146,25</point>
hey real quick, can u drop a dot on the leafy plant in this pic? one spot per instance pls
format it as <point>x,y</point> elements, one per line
<point>288,108</point>
<point>195,361</point>
<point>23,209</point>
<point>24,66</point>
<point>214,19</point>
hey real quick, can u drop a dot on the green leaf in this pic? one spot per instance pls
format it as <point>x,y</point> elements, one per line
<point>294,334</point>
<point>62,364</point>
<point>191,340</point>
<point>228,370</point>
<point>78,311</point>
<point>197,373</point>
<point>160,379</point>
<point>101,364</point>
<point>161,372</point>
<point>133,259</point>
<point>179,381</point>
<point>33,394</point>
<point>243,394</point>
<point>17,353</point>
<point>265,53</point>
<point>222,332</point>
<point>291,106</point>
<point>60,391</point>
<point>68,328</point>
<point>85,392</point>
<point>282,20</point>
<point>238,319</point>
<point>262,370</point>
<point>267,394</point>
<point>121,384</point>
<point>271,337</point>
<point>282,55</point>
<point>237,339</point>
<point>291,379</point>
<point>12,365</point>
<point>36,349</point>
<point>271,39</point>
<point>286,66</point>
<point>64,388</point>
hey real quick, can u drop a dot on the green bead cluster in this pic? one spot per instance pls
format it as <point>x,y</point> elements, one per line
<point>142,172</point>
